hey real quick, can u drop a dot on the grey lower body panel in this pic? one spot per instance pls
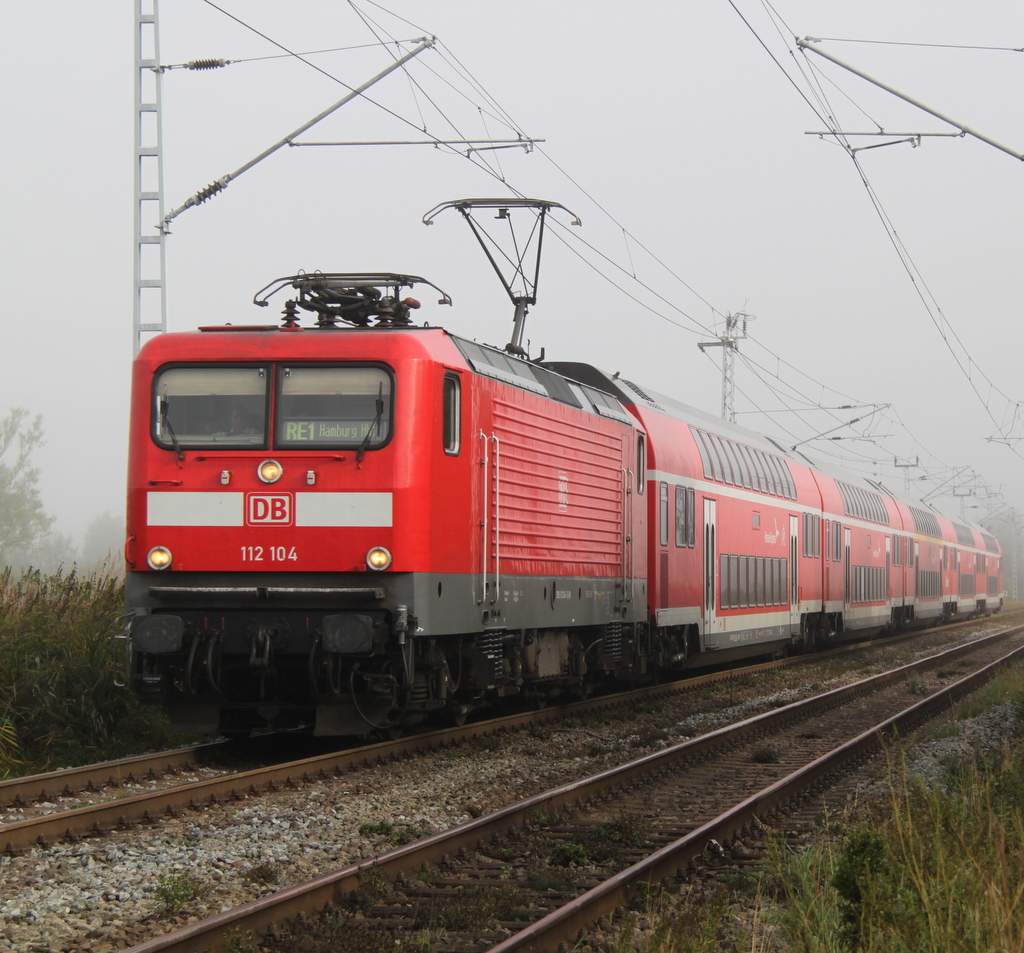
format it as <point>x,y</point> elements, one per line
<point>441,604</point>
<point>233,651</point>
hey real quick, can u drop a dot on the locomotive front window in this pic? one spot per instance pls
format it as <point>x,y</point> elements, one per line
<point>333,407</point>
<point>202,407</point>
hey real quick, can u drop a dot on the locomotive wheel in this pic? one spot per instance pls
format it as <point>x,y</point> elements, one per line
<point>391,717</point>
<point>455,715</point>
<point>582,690</point>
<point>324,669</point>
<point>211,663</point>
<point>537,699</point>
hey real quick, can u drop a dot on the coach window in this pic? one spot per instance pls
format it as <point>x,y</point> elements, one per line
<point>748,456</point>
<point>744,466</point>
<point>767,474</point>
<point>205,406</point>
<point>729,449</point>
<point>452,398</point>
<point>719,446</point>
<point>337,406</point>
<point>680,516</point>
<point>702,449</point>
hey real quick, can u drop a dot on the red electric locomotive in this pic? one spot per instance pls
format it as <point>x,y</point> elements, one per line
<point>360,527</point>
<point>363,524</point>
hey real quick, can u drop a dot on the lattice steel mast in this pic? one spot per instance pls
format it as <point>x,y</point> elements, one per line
<point>150,317</point>
<point>735,330</point>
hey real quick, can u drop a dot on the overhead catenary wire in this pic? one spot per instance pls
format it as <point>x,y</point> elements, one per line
<point>379,31</point>
<point>215,63</point>
<point>940,46</point>
<point>821,109</point>
<point>670,311</point>
<point>474,157</point>
<point>963,359</point>
<point>920,286</point>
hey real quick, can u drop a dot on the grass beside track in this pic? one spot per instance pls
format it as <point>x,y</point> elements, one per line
<point>935,864</point>
<point>61,672</point>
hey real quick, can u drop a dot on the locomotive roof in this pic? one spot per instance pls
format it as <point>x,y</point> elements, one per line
<point>239,342</point>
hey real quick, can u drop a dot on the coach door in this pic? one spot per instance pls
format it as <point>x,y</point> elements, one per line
<point>848,569</point>
<point>710,564</point>
<point>888,575</point>
<point>794,570</point>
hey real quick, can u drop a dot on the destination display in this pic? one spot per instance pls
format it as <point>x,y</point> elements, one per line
<point>328,431</point>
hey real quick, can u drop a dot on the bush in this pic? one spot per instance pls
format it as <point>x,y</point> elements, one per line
<point>62,675</point>
<point>942,870</point>
<point>176,891</point>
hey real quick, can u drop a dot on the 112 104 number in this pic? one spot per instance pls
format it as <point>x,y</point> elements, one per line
<point>276,554</point>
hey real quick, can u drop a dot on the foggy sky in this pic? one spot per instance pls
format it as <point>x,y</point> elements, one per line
<point>670,117</point>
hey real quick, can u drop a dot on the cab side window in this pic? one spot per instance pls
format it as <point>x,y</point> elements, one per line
<point>452,414</point>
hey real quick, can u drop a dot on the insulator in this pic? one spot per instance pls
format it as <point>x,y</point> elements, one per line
<point>291,315</point>
<point>206,64</point>
<point>209,192</point>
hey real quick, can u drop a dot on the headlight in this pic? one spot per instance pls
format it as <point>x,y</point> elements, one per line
<point>378,558</point>
<point>159,557</point>
<point>269,471</point>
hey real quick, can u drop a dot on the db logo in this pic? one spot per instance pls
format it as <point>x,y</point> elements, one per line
<point>261,508</point>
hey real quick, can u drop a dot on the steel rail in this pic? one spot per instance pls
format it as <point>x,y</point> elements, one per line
<point>265,914</point>
<point>95,819</point>
<point>566,923</point>
<point>68,781</point>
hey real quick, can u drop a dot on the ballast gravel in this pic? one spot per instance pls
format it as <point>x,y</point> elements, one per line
<point>115,891</point>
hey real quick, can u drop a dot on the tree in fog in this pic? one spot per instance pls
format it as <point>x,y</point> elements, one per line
<point>104,542</point>
<point>22,519</point>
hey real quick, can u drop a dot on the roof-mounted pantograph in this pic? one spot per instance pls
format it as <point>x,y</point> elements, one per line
<point>354,299</point>
<point>520,286</point>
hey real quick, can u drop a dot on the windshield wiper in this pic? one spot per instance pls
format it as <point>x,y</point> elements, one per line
<point>374,425</point>
<point>166,422</point>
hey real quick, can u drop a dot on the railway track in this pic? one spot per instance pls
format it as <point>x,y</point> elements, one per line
<point>643,822</point>
<point>67,783</point>
<point>45,809</point>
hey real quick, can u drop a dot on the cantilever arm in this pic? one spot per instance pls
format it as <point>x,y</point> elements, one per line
<point>222,183</point>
